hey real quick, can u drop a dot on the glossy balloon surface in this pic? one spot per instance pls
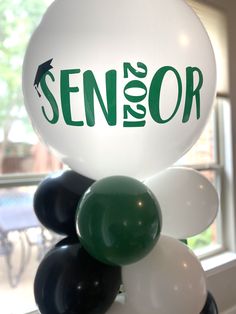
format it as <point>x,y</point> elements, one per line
<point>118,220</point>
<point>169,280</point>
<point>118,308</point>
<point>121,308</point>
<point>67,241</point>
<point>189,201</point>
<point>69,281</point>
<point>56,200</point>
<point>119,87</point>
<point>210,306</point>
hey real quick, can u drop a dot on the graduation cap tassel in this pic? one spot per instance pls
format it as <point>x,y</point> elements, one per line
<point>35,86</point>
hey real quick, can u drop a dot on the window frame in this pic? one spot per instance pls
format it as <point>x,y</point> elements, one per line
<point>218,167</point>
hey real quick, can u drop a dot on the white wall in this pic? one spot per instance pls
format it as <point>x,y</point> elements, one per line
<point>223,287</point>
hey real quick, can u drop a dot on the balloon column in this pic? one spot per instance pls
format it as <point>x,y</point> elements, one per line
<point>120,90</point>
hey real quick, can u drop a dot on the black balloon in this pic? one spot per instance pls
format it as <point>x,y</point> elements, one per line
<point>56,200</point>
<point>210,306</point>
<point>70,281</point>
<point>67,241</point>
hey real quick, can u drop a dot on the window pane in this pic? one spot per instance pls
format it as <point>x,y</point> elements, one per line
<point>20,150</point>
<point>23,242</point>
<point>22,157</point>
<point>206,238</point>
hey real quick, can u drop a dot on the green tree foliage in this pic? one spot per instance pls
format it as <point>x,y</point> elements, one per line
<point>18,19</point>
<point>202,240</point>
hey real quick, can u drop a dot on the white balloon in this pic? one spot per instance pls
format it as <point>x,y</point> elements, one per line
<point>121,307</point>
<point>189,202</point>
<point>169,280</point>
<point>126,86</point>
<point>116,308</point>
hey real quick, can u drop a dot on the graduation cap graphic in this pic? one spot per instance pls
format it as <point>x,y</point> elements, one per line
<point>42,69</point>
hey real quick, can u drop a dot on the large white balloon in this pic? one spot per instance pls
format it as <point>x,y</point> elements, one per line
<point>119,87</point>
<point>117,308</point>
<point>169,280</point>
<point>121,307</point>
<point>189,202</point>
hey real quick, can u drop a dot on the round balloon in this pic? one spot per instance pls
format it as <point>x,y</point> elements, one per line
<point>56,200</point>
<point>118,220</point>
<point>189,202</point>
<point>66,242</point>
<point>116,87</point>
<point>168,280</point>
<point>69,280</point>
<point>121,308</point>
<point>117,308</point>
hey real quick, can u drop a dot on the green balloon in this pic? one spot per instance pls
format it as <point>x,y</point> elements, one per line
<point>118,220</point>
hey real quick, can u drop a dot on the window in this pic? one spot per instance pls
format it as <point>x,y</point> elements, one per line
<point>24,160</point>
<point>208,154</point>
<point>20,149</point>
<point>205,157</point>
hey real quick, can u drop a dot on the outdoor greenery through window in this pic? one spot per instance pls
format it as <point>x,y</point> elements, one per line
<point>20,149</point>
<point>22,154</point>
<point>23,241</point>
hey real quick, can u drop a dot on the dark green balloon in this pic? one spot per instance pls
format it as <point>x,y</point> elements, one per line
<point>118,220</point>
